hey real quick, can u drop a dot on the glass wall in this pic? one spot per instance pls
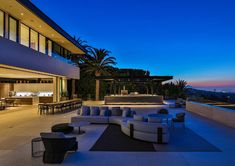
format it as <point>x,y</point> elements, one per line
<point>24,35</point>
<point>1,23</point>
<point>33,40</point>
<point>42,44</point>
<point>49,47</point>
<point>56,49</point>
<point>13,29</point>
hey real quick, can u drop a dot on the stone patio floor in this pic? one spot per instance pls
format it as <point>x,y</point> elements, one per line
<point>19,125</point>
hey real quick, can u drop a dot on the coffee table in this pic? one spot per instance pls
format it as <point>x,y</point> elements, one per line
<point>79,125</point>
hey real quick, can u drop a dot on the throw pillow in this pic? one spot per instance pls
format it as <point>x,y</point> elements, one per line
<point>85,111</point>
<point>116,111</point>
<point>94,111</point>
<point>132,113</point>
<point>104,111</point>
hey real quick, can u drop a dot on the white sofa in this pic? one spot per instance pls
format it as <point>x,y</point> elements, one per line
<point>146,131</point>
<point>140,130</point>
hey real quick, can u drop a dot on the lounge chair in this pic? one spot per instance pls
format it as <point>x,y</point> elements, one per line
<point>56,146</point>
<point>180,118</point>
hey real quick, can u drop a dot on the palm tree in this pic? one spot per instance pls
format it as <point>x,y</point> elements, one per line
<point>181,87</point>
<point>98,62</point>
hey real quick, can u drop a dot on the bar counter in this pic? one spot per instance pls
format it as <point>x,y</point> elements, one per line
<point>133,99</point>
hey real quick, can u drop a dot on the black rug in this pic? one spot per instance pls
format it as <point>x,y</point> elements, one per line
<point>186,140</point>
<point>181,140</point>
<point>114,140</point>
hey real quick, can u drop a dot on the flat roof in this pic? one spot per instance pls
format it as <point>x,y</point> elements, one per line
<point>135,78</point>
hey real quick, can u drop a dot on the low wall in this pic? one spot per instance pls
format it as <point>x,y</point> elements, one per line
<point>219,114</point>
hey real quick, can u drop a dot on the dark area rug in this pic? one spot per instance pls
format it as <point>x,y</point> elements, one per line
<point>186,140</point>
<point>181,140</point>
<point>114,140</point>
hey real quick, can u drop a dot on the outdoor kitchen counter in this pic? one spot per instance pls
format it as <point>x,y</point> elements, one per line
<point>32,100</point>
<point>134,99</point>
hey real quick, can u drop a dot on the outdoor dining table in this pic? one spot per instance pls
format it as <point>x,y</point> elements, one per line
<point>68,104</point>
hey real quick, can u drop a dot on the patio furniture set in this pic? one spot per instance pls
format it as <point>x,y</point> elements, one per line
<point>151,128</point>
<point>146,128</point>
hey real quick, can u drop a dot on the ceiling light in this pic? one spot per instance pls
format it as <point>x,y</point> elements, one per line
<point>40,26</point>
<point>22,14</point>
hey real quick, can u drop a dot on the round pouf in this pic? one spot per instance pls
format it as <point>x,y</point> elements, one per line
<point>62,127</point>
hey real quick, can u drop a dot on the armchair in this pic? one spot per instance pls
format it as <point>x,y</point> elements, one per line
<point>57,147</point>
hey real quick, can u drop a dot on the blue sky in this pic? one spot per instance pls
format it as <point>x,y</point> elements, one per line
<point>189,39</point>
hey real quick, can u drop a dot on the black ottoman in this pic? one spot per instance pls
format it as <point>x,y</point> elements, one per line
<point>62,127</point>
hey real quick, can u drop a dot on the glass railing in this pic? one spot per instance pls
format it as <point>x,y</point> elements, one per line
<point>66,60</point>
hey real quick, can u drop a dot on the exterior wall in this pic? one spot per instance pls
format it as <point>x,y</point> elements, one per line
<point>5,89</point>
<point>219,114</point>
<point>14,54</point>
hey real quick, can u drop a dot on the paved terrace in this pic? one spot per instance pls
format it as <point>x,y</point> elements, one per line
<point>19,125</point>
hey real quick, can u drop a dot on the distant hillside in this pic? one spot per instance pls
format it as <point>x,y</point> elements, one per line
<point>216,96</point>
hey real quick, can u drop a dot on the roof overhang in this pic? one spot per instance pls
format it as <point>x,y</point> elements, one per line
<point>29,14</point>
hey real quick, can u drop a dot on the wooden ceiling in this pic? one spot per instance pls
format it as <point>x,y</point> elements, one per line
<point>14,72</point>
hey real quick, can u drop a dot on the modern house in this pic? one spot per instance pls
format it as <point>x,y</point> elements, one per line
<point>35,54</point>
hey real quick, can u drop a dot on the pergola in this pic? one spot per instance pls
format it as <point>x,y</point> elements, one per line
<point>117,81</point>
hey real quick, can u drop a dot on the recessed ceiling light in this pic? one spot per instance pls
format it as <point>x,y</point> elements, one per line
<point>22,14</point>
<point>40,26</point>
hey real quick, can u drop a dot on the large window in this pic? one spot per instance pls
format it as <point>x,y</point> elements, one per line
<point>33,40</point>
<point>56,49</point>
<point>42,44</point>
<point>49,48</point>
<point>13,29</point>
<point>1,23</point>
<point>24,35</point>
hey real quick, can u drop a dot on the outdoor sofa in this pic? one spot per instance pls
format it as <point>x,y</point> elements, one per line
<point>136,126</point>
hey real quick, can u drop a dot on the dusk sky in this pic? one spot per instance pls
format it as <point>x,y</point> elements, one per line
<point>188,39</point>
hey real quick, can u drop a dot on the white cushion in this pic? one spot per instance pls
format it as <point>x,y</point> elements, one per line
<point>53,135</point>
<point>139,118</point>
<point>154,120</point>
<point>116,111</point>
<point>148,127</point>
<point>125,113</point>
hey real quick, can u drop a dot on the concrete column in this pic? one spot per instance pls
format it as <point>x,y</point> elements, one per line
<point>64,85</point>
<point>73,87</point>
<point>56,89</point>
